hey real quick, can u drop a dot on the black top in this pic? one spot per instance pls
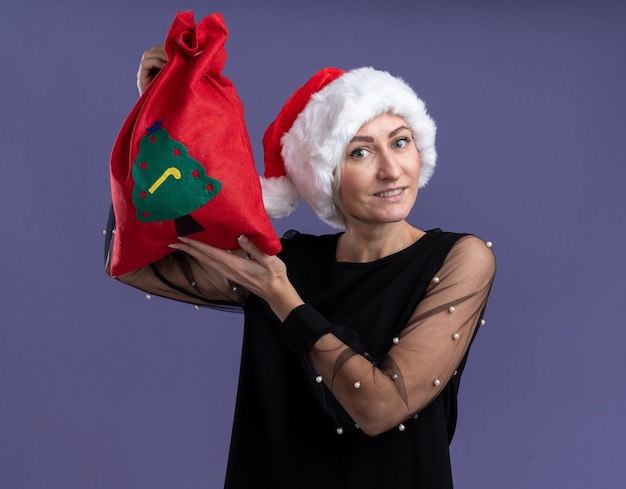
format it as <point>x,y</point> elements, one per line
<point>282,436</point>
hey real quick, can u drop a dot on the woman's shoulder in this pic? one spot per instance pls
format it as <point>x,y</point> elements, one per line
<point>308,257</point>
<point>465,240</point>
<point>468,250</point>
<point>294,238</point>
<point>299,246</point>
<point>473,245</point>
<point>472,254</point>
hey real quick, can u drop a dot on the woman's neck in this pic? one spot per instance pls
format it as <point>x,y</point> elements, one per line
<point>362,243</point>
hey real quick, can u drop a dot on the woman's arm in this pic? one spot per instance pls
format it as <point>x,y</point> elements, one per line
<point>180,277</point>
<point>422,359</point>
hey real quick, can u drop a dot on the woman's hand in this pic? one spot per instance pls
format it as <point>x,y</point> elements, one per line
<point>151,63</point>
<point>261,274</point>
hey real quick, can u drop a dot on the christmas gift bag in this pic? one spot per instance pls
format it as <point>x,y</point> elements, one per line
<point>182,164</point>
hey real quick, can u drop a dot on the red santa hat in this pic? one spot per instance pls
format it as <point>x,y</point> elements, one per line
<point>308,139</point>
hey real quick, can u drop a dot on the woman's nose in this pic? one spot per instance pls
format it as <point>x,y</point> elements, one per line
<point>389,167</point>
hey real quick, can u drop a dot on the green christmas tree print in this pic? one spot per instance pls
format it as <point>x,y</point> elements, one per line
<point>169,184</point>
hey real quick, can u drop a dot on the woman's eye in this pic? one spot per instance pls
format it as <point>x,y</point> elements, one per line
<point>400,143</point>
<point>358,153</point>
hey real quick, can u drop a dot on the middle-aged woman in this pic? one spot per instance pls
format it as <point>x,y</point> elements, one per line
<point>354,342</point>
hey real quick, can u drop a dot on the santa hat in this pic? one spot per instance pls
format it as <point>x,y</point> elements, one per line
<point>308,139</point>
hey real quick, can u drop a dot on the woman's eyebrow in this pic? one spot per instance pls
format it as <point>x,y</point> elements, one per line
<point>370,139</point>
<point>397,130</point>
<point>366,139</point>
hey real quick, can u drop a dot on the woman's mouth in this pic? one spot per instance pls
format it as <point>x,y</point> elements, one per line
<point>389,193</point>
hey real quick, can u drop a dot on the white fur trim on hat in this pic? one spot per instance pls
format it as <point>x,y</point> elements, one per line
<point>280,196</point>
<point>318,138</point>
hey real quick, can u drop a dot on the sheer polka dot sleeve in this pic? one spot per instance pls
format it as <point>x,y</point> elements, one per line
<point>382,393</point>
<point>180,277</point>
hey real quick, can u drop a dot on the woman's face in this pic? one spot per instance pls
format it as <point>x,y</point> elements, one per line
<point>380,177</point>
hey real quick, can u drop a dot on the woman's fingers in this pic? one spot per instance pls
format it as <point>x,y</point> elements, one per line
<point>233,264</point>
<point>152,61</point>
<point>252,250</point>
<point>258,273</point>
<point>204,252</point>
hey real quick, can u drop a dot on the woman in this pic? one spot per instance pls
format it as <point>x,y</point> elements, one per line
<point>354,343</point>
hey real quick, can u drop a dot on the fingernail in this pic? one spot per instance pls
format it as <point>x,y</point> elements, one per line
<point>174,245</point>
<point>242,239</point>
<point>184,240</point>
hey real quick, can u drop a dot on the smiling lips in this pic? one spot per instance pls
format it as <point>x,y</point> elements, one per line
<point>390,193</point>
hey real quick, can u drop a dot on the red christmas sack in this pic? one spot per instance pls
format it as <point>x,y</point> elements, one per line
<point>182,164</point>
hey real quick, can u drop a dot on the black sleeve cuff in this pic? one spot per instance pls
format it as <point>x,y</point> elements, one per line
<point>303,327</point>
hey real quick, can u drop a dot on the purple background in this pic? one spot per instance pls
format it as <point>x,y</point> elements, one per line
<point>101,388</point>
